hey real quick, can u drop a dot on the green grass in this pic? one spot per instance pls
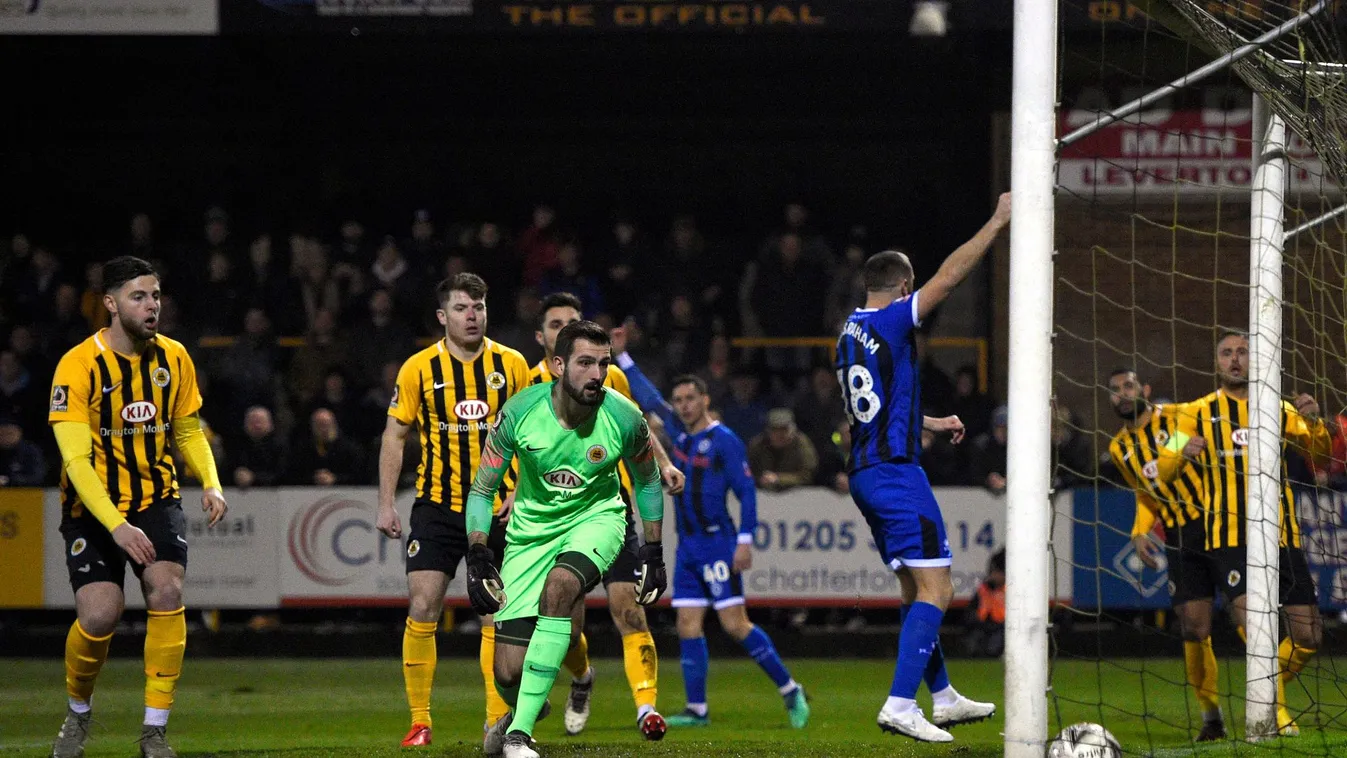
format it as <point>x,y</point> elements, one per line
<point>302,708</point>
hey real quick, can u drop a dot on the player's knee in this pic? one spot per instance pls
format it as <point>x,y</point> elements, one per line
<point>1305,629</point>
<point>737,626</point>
<point>631,620</point>
<point>506,670</point>
<point>689,626</point>
<point>1195,630</point>
<point>101,620</point>
<point>560,593</point>
<point>166,596</point>
<point>424,608</point>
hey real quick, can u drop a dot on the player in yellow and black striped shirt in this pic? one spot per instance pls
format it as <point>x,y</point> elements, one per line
<point>1214,436</point>
<point>1136,451</point>
<point>452,392</point>
<point>638,647</point>
<point>115,400</point>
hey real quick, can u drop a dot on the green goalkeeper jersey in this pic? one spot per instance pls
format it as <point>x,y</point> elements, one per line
<point>564,474</point>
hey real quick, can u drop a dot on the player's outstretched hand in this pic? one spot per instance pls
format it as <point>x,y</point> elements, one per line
<point>135,543</point>
<point>213,502</point>
<point>1002,214</point>
<point>651,580</point>
<point>388,523</point>
<point>673,479</point>
<point>486,591</point>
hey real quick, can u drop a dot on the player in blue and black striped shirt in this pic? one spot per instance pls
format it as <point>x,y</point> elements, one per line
<point>712,554</point>
<point>879,372</point>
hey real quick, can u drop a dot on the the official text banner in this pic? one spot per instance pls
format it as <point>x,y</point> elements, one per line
<point>229,565</point>
<point>151,17</point>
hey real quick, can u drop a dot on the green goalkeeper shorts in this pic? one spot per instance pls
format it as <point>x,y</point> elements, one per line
<point>597,536</point>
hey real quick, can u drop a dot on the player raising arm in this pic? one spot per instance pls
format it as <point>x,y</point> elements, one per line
<point>712,555</point>
<point>567,525</point>
<point>877,367</point>
<point>115,399</point>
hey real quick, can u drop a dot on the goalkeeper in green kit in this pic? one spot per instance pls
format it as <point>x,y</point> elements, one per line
<point>567,525</point>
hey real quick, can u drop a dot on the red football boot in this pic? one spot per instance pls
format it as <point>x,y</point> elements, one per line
<point>653,727</point>
<point>419,736</point>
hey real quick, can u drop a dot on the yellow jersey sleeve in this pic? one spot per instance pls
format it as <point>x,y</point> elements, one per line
<point>406,402</point>
<point>70,388</point>
<point>188,400</point>
<point>1310,438</point>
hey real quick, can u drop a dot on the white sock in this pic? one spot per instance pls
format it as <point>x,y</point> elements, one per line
<point>698,708</point>
<point>788,688</point>
<point>1209,716</point>
<point>900,705</point>
<point>80,706</point>
<point>156,716</point>
<point>948,696</point>
<point>587,678</point>
<point>643,710</point>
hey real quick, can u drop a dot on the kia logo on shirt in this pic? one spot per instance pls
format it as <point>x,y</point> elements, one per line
<point>471,410</point>
<point>140,412</point>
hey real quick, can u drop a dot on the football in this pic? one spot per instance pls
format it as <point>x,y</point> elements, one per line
<point>1085,740</point>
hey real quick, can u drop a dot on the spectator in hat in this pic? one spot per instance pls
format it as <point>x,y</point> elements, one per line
<point>21,462</point>
<point>782,457</point>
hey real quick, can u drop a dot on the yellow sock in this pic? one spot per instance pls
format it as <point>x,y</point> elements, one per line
<point>1210,672</point>
<point>496,707</point>
<point>577,658</point>
<point>1242,636</point>
<point>84,657</point>
<point>418,667</point>
<point>165,643</point>
<point>1203,683</point>
<point>1293,658</point>
<point>642,665</point>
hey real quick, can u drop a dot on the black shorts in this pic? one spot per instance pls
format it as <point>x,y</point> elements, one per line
<point>1193,572</point>
<point>1295,584</point>
<point>91,555</point>
<point>437,538</point>
<point>627,565</point>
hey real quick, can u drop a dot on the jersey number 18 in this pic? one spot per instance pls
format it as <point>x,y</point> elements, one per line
<point>858,385</point>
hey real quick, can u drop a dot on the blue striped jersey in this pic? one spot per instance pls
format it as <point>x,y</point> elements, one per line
<point>877,368</point>
<point>714,462</point>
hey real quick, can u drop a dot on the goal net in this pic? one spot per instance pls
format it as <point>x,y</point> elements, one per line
<point>1153,268</point>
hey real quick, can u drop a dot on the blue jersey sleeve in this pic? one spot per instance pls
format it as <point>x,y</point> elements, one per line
<point>741,482</point>
<point>647,395</point>
<point>898,318</point>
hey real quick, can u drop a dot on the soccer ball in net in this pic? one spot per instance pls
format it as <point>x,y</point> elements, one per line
<point>1085,740</point>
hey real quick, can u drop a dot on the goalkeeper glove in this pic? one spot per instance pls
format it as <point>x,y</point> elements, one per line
<point>651,580</point>
<point>486,591</point>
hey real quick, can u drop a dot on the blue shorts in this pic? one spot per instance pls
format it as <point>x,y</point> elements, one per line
<point>898,504</point>
<point>703,573</point>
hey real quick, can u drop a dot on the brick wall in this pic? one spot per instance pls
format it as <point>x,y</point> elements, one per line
<point>1150,287</point>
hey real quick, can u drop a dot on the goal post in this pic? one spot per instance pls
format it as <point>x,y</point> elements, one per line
<point>1262,513</point>
<point>1028,507</point>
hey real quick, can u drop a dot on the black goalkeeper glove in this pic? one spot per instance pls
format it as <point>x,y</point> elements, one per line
<point>486,591</point>
<point>651,581</point>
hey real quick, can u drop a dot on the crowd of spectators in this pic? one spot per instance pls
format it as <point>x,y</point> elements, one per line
<point>308,411</point>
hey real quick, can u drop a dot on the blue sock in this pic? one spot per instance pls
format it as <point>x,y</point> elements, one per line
<point>696,660</point>
<point>937,678</point>
<point>761,649</point>
<point>916,643</point>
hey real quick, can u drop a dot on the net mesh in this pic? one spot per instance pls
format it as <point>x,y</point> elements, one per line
<point>1153,241</point>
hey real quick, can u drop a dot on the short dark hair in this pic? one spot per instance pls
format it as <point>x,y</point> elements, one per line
<point>558,300</point>
<point>1124,370</point>
<point>123,269</point>
<point>468,283</point>
<point>579,330</point>
<point>886,271</point>
<point>1228,333</point>
<point>693,379</point>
